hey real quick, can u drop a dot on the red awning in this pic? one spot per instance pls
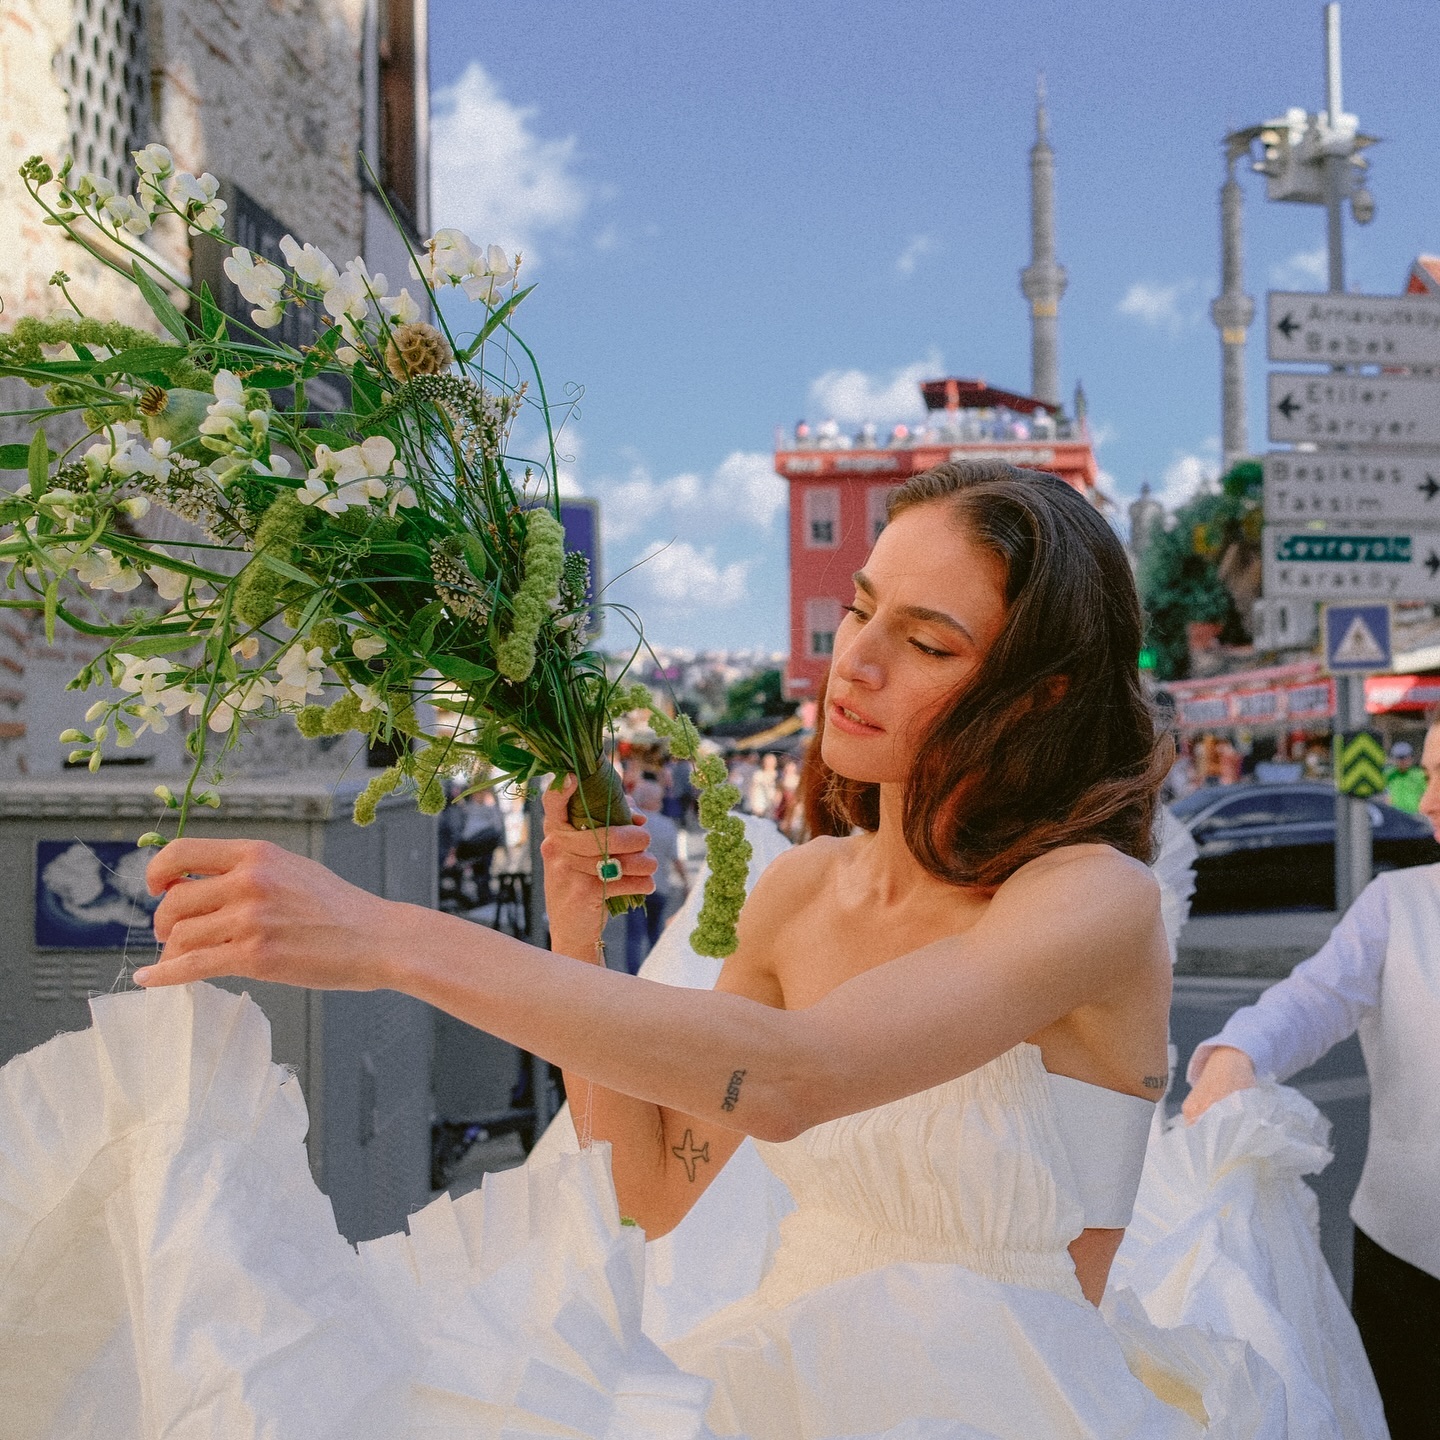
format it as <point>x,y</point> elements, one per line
<point>1384,693</point>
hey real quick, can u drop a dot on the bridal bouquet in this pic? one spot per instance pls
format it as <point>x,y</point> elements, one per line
<point>349,566</point>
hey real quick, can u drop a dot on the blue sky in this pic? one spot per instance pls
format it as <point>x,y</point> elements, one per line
<point>745,213</point>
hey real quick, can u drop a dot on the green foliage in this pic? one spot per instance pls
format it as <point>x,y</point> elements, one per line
<point>757,697</point>
<point>1179,580</point>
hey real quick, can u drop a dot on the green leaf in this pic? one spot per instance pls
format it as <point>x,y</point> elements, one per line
<point>15,457</point>
<point>13,510</point>
<point>38,462</point>
<point>159,302</point>
<point>494,322</point>
<point>212,318</point>
<point>422,627</point>
<point>283,567</point>
<point>270,379</point>
<point>141,358</point>
<point>52,603</point>
<point>463,672</point>
<point>368,395</point>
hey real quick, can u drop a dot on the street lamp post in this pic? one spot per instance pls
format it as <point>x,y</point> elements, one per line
<point>1308,159</point>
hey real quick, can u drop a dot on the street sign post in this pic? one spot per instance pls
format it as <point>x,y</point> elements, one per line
<point>1340,409</point>
<point>1373,563</point>
<point>1352,329</point>
<point>1357,639</point>
<point>1365,486</point>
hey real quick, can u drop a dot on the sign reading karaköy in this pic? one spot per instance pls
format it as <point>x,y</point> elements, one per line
<point>1353,329</point>
<point>1353,409</point>
<point>1365,486</point>
<point>1393,563</point>
<point>1357,638</point>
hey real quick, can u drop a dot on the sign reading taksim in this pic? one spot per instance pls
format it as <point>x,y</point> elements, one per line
<point>1345,409</point>
<point>1357,638</point>
<point>1365,486</point>
<point>1353,329</point>
<point>1377,564</point>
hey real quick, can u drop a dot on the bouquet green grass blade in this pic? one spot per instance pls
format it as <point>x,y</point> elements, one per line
<point>352,568</point>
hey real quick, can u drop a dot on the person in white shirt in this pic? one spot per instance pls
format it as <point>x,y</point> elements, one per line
<point>1379,973</point>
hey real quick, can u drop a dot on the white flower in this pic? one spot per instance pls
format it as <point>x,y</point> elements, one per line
<point>126,213</point>
<point>170,583</point>
<point>311,265</point>
<point>488,273</point>
<point>277,465</point>
<point>132,458</point>
<point>91,187</point>
<point>300,671</point>
<point>153,160</point>
<point>260,282</point>
<point>101,570</point>
<point>223,416</point>
<point>136,507</point>
<point>196,200</point>
<point>248,648</point>
<point>447,259</point>
<point>248,695</point>
<point>402,308</point>
<point>369,699</point>
<point>348,299</point>
<point>353,476</point>
<point>367,647</point>
<point>402,499</point>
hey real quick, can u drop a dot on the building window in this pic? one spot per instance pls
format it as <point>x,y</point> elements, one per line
<point>822,619</point>
<point>105,71</point>
<point>877,503</point>
<point>822,518</point>
<point>399,150</point>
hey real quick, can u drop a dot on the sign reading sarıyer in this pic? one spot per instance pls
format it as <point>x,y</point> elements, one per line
<point>1353,409</point>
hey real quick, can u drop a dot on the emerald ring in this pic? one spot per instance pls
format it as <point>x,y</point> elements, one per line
<point>609,870</point>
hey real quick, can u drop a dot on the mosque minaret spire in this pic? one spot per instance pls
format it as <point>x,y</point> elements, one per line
<point>1042,281</point>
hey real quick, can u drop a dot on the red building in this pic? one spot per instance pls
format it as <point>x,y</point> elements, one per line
<point>839,488</point>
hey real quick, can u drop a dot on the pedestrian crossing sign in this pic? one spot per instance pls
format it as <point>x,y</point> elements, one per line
<point>1357,638</point>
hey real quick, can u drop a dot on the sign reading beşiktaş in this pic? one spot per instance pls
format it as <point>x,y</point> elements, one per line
<point>1353,409</point>
<point>1367,486</point>
<point>1373,563</point>
<point>1353,329</point>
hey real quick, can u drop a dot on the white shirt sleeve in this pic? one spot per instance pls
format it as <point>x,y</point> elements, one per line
<point>1319,1003</point>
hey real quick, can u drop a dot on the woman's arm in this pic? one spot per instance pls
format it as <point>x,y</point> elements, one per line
<point>1073,929</point>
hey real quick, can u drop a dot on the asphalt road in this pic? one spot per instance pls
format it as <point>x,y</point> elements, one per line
<point>1337,1084</point>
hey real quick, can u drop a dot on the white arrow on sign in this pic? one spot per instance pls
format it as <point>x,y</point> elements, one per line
<point>1362,485</point>
<point>1393,562</point>
<point>1353,329</point>
<point>1354,409</point>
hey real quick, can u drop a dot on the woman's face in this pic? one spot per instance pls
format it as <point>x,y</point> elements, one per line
<point>928,605</point>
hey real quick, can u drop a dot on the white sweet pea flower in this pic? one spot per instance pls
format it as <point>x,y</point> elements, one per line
<point>300,671</point>
<point>402,499</point>
<point>151,717</point>
<point>260,282</point>
<point>196,199</point>
<point>248,648</point>
<point>224,416</point>
<point>369,699</point>
<point>276,465</point>
<point>133,458</point>
<point>86,186</point>
<point>367,647</point>
<point>101,570</point>
<point>248,695</point>
<point>402,308</point>
<point>310,264</point>
<point>488,275</point>
<point>447,259</point>
<point>126,213</point>
<point>353,476</point>
<point>169,583</point>
<point>136,507</point>
<point>153,160</point>
<point>348,299</point>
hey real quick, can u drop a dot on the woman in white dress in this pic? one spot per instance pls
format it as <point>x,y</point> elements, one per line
<point>947,1031</point>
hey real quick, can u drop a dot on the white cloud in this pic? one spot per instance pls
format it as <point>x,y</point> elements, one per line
<point>493,176</point>
<point>607,239</point>
<point>1190,474</point>
<point>685,577</point>
<point>743,487</point>
<point>919,247</point>
<point>1304,270</point>
<point>1162,307</point>
<point>852,396</point>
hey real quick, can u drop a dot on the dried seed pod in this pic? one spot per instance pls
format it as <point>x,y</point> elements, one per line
<point>417,349</point>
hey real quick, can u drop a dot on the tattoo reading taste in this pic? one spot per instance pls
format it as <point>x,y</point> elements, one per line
<point>732,1091</point>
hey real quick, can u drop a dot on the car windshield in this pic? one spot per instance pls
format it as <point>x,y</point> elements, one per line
<point>1196,801</point>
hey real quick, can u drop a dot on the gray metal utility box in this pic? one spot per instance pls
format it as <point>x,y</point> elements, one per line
<point>68,903</point>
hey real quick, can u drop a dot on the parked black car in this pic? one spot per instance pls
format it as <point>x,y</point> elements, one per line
<point>1271,847</point>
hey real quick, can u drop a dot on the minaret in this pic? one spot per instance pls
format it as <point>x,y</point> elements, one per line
<point>1042,281</point>
<point>1232,311</point>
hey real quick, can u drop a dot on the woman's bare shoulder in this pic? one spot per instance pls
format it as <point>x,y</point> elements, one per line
<point>1088,882</point>
<point>797,873</point>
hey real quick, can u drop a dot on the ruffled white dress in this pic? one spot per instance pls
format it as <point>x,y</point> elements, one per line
<point>167,1268</point>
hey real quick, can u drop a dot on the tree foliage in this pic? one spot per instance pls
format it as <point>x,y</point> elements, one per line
<point>1180,577</point>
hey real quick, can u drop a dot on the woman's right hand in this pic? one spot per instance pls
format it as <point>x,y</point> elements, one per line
<point>1225,1071</point>
<point>575,895</point>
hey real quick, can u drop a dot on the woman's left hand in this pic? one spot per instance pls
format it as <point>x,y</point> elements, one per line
<point>247,907</point>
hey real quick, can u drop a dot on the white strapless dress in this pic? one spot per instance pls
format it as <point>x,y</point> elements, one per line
<point>167,1268</point>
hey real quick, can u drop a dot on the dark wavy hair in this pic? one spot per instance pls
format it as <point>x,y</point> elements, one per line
<point>1052,741</point>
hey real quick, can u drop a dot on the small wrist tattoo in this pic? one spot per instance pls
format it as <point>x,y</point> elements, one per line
<point>1155,1082</point>
<point>732,1091</point>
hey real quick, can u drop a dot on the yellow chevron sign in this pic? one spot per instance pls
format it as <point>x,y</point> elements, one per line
<point>1359,763</point>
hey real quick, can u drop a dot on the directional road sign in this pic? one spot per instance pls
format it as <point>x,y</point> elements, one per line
<point>1365,486</point>
<point>1392,562</point>
<point>1353,329</point>
<point>1359,763</point>
<point>1354,409</point>
<point>1357,639</point>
